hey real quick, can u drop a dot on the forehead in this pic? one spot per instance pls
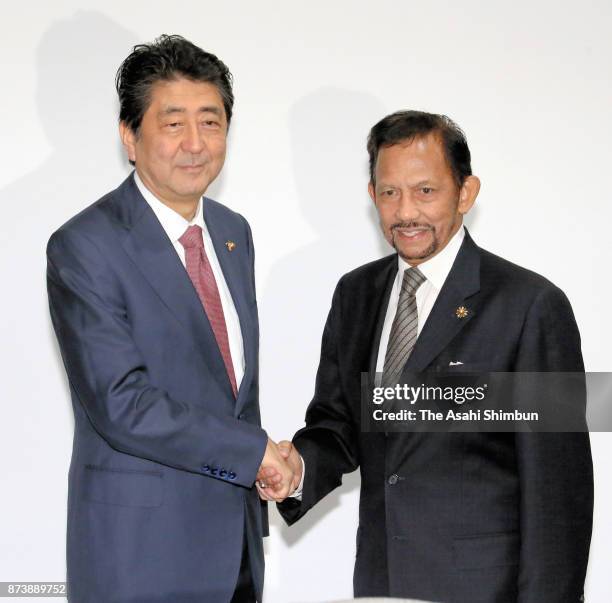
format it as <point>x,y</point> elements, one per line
<point>421,157</point>
<point>183,94</point>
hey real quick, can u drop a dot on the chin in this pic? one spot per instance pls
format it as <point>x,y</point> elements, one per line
<point>417,254</point>
<point>413,252</point>
<point>189,189</point>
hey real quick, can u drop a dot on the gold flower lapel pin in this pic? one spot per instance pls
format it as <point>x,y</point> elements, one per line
<point>461,312</point>
<point>230,245</point>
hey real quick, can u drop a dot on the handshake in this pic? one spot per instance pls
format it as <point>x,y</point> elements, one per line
<point>280,472</point>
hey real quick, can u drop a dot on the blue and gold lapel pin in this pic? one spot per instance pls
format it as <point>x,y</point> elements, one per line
<point>461,312</point>
<point>230,245</point>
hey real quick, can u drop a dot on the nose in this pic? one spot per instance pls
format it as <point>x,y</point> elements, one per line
<point>407,209</point>
<point>193,139</point>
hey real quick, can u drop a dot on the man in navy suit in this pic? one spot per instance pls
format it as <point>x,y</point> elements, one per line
<point>152,298</point>
<point>454,517</point>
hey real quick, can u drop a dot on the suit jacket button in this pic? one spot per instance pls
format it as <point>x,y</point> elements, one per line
<point>231,475</point>
<point>206,468</point>
<point>241,416</point>
<point>393,480</point>
<point>213,471</point>
<point>222,473</point>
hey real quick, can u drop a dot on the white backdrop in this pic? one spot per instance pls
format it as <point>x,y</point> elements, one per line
<point>530,84</point>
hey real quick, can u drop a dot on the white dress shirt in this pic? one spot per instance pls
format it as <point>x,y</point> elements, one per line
<point>435,271</point>
<point>175,226</point>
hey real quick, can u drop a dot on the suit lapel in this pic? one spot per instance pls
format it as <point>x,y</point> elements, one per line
<point>147,244</point>
<point>452,310</point>
<point>383,285</point>
<point>236,280</point>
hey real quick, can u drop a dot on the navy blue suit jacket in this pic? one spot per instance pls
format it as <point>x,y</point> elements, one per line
<point>164,458</point>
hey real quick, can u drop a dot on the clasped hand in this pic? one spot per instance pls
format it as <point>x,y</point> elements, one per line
<point>280,472</point>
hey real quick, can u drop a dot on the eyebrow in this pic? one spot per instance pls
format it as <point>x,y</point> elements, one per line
<point>170,109</point>
<point>383,184</point>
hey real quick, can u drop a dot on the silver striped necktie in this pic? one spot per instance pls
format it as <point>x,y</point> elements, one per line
<point>404,328</point>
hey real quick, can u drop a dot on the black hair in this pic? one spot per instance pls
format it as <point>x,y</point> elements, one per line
<point>166,59</point>
<point>405,126</point>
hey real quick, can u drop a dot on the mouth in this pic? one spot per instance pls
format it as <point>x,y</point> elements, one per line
<point>192,168</point>
<point>411,234</point>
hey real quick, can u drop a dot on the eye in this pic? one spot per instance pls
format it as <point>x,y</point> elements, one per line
<point>427,190</point>
<point>173,125</point>
<point>211,123</point>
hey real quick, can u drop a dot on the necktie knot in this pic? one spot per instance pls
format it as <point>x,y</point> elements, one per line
<point>413,279</point>
<point>192,237</point>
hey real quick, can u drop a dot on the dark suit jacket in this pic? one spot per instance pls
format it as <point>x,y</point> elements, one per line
<point>164,458</point>
<point>456,517</point>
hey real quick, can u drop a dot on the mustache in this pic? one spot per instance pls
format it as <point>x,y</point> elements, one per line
<point>410,225</point>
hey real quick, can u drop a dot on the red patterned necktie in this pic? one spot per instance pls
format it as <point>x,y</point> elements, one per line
<point>203,279</point>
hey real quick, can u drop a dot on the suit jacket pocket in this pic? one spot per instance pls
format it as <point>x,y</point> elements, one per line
<point>466,367</point>
<point>123,487</point>
<point>487,550</point>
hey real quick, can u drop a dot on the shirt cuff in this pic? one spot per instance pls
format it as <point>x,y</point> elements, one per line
<point>298,491</point>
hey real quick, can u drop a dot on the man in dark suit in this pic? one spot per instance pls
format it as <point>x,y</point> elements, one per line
<point>152,297</point>
<point>455,517</point>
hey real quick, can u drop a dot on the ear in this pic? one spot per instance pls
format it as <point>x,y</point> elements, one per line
<point>372,192</point>
<point>128,138</point>
<point>468,193</point>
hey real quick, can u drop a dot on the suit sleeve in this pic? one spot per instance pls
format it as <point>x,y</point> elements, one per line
<point>110,378</point>
<point>328,442</point>
<point>555,469</point>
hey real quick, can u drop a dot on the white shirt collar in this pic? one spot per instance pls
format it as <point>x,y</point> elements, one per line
<point>172,222</point>
<point>437,268</point>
